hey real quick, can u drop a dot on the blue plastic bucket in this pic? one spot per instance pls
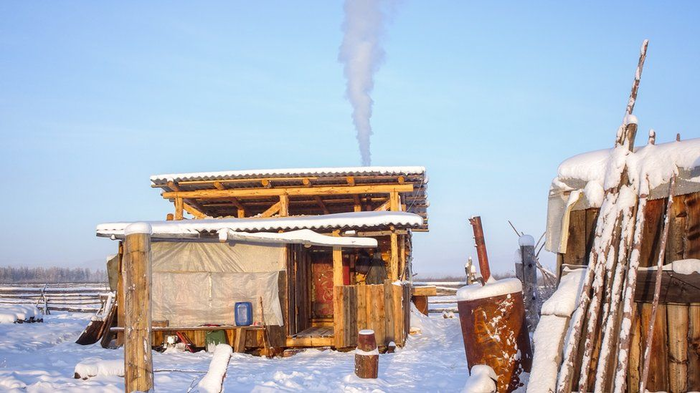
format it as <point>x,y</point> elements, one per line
<point>243,313</point>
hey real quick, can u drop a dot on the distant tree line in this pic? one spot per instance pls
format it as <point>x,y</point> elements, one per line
<point>41,275</point>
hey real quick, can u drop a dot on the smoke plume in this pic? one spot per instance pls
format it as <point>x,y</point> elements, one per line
<point>362,54</point>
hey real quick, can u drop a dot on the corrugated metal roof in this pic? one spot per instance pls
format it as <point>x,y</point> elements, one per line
<point>293,172</point>
<point>355,220</point>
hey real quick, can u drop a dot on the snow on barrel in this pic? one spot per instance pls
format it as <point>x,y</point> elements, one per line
<point>494,329</point>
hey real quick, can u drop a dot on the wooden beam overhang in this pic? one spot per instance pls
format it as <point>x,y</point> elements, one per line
<point>292,191</point>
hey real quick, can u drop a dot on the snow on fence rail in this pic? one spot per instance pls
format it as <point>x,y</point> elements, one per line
<point>66,297</point>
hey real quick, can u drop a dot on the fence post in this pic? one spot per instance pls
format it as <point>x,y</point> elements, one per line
<point>138,362</point>
<point>529,280</point>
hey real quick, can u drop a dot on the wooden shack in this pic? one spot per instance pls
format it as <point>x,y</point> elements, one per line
<point>574,208</point>
<point>294,243</point>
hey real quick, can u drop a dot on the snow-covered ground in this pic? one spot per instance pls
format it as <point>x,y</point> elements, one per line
<point>41,357</point>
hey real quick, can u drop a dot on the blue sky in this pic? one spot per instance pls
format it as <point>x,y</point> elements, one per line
<point>490,97</point>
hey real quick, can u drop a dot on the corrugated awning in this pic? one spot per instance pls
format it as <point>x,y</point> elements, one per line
<point>210,227</point>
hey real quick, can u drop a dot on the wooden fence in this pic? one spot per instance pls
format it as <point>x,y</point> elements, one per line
<point>382,308</point>
<point>65,297</point>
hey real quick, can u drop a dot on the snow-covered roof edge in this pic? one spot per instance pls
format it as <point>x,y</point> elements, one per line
<point>339,171</point>
<point>358,220</point>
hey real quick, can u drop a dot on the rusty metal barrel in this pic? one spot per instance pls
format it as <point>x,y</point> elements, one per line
<point>494,329</point>
<point>366,355</point>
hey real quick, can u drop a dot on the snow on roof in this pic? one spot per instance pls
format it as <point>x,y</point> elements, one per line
<point>367,219</point>
<point>294,172</point>
<point>658,163</point>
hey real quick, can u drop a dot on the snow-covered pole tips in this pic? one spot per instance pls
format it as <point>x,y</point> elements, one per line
<point>366,355</point>
<point>480,245</point>
<point>138,363</point>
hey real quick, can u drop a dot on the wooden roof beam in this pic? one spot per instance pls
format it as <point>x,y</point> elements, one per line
<point>272,210</point>
<point>196,213</point>
<point>320,203</point>
<point>384,206</point>
<point>294,191</point>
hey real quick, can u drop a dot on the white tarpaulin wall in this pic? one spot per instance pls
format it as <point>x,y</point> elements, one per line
<point>199,283</point>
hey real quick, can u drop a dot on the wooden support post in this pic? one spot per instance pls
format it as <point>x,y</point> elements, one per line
<point>358,205</point>
<point>394,205</point>
<point>284,205</point>
<point>337,264</point>
<point>179,207</point>
<point>138,363</point>
<point>394,258</point>
<point>120,296</point>
<point>402,257</point>
<point>394,201</point>
<point>366,355</point>
<point>529,280</point>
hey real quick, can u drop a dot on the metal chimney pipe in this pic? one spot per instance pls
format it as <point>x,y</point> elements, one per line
<point>480,245</point>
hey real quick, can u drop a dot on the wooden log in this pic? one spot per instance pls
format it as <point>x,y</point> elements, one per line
<point>138,362</point>
<point>677,347</point>
<point>366,355</point>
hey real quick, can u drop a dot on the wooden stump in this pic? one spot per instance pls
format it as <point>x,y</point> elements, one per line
<point>366,355</point>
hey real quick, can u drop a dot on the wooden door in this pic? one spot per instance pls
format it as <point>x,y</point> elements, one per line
<point>321,286</point>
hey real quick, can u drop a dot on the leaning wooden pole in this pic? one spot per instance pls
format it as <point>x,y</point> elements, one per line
<point>608,222</point>
<point>637,77</point>
<point>628,305</point>
<point>480,244</point>
<point>657,286</point>
<point>138,363</point>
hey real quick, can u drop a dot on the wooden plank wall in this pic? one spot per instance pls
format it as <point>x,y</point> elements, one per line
<point>675,357</point>
<point>382,308</point>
